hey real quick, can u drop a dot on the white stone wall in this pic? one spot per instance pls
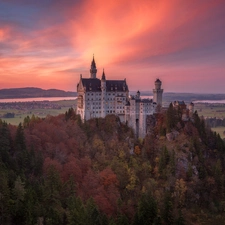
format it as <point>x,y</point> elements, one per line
<point>157,96</point>
<point>102,103</point>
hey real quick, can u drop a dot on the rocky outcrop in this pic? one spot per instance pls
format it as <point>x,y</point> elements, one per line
<point>172,135</point>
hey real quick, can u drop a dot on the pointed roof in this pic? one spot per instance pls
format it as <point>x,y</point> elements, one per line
<point>93,64</point>
<point>103,75</point>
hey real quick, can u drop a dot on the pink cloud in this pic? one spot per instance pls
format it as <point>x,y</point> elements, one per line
<point>140,40</point>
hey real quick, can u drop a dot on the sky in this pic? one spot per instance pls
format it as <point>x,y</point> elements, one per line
<point>49,43</point>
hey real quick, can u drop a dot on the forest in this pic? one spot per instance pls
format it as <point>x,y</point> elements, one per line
<point>59,170</point>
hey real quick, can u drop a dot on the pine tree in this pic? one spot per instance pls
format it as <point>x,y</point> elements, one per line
<point>147,210</point>
<point>168,209</point>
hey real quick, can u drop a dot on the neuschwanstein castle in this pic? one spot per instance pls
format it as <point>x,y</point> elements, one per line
<point>100,97</point>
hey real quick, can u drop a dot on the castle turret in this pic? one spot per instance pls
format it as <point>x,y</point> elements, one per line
<point>157,92</point>
<point>138,95</point>
<point>191,109</point>
<point>93,70</point>
<point>103,96</point>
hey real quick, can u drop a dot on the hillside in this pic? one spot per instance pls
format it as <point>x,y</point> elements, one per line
<point>59,170</point>
<point>32,92</point>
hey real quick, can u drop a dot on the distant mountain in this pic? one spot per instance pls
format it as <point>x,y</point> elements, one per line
<point>32,92</point>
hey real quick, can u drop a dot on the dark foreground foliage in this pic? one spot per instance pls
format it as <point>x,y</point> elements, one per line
<point>59,170</point>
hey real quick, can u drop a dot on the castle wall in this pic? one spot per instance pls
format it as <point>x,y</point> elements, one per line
<point>157,96</point>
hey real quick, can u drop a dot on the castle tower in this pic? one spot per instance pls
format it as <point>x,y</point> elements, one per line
<point>157,92</point>
<point>191,109</point>
<point>138,95</point>
<point>93,69</point>
<point>103,96</point>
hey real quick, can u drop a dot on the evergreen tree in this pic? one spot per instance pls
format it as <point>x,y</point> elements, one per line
<point>180,220</point>
<point>5,216</point>
<point>122,220</point>
<point>53,210</point>
<point>21,153</point>
<point>168,209</point>
<point>76,214</point>
<point>147,210</point>
<point>5,144</point>
<point>17,202</point>
<point>92,212</point>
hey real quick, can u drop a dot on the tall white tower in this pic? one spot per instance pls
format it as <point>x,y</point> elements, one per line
<point>157,92</point>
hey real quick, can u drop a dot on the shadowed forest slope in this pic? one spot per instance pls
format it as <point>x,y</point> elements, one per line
<point>59,170</point>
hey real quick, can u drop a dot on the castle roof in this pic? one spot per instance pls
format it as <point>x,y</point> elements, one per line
<point>116,85</point>
<point>145,100</point>
<point>94,85</point>
<point>91,84</point>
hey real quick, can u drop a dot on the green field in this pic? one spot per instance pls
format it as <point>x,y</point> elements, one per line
<point>20,114</point>
<point>220,131</point>
<point>210,110</point>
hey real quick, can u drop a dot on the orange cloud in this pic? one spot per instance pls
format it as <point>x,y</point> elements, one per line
<point>140,40</point>
<point>105,28</point>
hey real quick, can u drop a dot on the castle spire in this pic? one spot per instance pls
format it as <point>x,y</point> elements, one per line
<point>93,69</point>
<point>103,75</point>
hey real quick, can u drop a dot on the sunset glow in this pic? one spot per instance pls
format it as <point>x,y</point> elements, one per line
<point>48,44</point>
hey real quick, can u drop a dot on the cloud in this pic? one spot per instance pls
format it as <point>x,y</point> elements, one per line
<point>50,40</point>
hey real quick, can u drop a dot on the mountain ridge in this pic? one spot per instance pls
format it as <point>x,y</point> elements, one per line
<point>33,92</point>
